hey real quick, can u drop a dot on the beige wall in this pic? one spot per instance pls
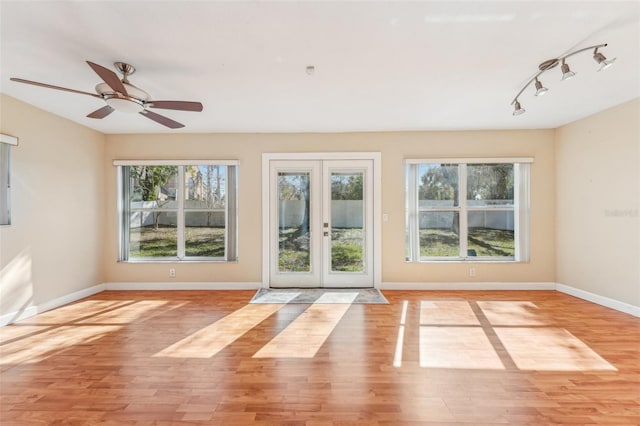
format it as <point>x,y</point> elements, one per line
<point>585,186</point>
<point>395,147</point>
<point>54,245</point>
<point>598,193</point>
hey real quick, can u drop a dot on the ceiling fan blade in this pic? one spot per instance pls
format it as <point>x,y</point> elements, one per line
<point>109,77</point>
<point>50,86</point>
<point>162,119</point>
<point>102,112</point>
<point>177,105</point>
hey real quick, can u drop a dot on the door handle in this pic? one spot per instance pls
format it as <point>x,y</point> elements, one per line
<point>326,233</point>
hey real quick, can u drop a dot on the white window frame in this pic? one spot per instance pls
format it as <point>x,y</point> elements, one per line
<point>230,210</point>
<point>521,208</point>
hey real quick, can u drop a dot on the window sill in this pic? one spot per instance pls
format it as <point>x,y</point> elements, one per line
<point>468,261</point>
<point>164,261</point>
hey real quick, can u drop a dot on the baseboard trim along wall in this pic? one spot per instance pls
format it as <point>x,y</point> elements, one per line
<point>33,310</point>
<point>183,286</point>
<point>600,300</point>
<point>467,286</point>
<point>51,304</point>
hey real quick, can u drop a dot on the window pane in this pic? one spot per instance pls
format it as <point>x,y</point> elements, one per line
<point>153,234</point>
<point>294,233</point>
<point>439,234</point>
<point>153,186</point>
<point>347,222</point>
<point>491,234</point>
<point>438,185</point>
<point>204,234</point>
<point>489,185</point>
<point>205,186</point>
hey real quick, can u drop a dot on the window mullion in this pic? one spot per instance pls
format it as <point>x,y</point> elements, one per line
<point>462,203</point>
<point>180,198</point>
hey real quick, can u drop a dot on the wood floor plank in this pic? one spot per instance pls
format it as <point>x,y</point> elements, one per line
<point>189,358</point>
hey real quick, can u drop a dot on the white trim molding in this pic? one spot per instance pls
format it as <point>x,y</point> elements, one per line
<point>33,310</point>
<point>468,286</point>
<point>600,300</point>
<point>207,162</point>
<point>125,286</point>
<point>8,139</point>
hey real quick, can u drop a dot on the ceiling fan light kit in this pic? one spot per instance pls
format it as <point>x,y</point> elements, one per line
<point>566,73</point>
<point>120,95</point>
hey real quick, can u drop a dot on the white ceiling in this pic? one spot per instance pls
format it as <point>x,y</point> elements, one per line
<point>379,66</point>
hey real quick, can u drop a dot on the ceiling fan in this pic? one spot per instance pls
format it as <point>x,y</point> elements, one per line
<point>120,95</point>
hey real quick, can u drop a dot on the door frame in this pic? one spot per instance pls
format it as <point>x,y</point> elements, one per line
<point>376,159</point>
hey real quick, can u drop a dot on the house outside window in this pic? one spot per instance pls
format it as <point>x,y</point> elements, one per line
<point>177,210</point>
<point>467,209</point>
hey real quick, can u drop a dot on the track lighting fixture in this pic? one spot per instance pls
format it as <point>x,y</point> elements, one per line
<point>540,89</point>
<point>566,72</point>
<point>518,109</point>
<point>602,60</point>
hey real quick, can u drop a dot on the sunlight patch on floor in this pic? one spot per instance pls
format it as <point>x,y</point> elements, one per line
<point>457,347</point>
<point>127,314</point>
<point>210,340</point>
<point>37,347</point>
<point>397,358</point>
<point>511,313</point>
<point>550,349</point>
<point>447,312</point>
<point>307,333</point>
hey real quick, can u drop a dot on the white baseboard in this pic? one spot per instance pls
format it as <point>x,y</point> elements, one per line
<point>69,298</point>
<point>12,317</point>
<point>32,310</point>
<point>467,286</point>
<point>600,300</point>
<point>183,286</point>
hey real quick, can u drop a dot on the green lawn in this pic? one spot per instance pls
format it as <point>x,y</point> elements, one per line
<point>163,242</point>
<point>346,250</point>
<point>484,241</point>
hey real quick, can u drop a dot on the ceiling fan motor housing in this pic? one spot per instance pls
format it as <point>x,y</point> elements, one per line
<point>133,102</point>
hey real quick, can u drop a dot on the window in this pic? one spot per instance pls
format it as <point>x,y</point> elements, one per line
<point>5,185</point>
<point>467,209</point>
<point>6,142</point>
<point>178,210</point>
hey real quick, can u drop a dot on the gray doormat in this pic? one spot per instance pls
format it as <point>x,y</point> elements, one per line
<point>319,295</point>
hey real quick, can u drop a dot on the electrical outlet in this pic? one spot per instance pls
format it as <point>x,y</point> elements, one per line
<point>172,272</point>
<point>472,272</point>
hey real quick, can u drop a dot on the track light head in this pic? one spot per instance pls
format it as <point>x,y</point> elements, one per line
<point>518,109</point>
<point>540,89</point>
<point>602,60</point>
<point>566,72</point>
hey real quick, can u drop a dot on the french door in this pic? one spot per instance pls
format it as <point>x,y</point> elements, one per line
<point>321,223</point>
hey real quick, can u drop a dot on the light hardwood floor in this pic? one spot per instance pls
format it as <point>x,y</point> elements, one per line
<point>198,357</point>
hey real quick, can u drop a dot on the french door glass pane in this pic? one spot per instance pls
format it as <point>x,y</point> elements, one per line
<point>439,234</point>
<point>347,222</point>
<point>294,226</point>
<point>153,234</point>
<point>204,233</point>
<point>491,234</point>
